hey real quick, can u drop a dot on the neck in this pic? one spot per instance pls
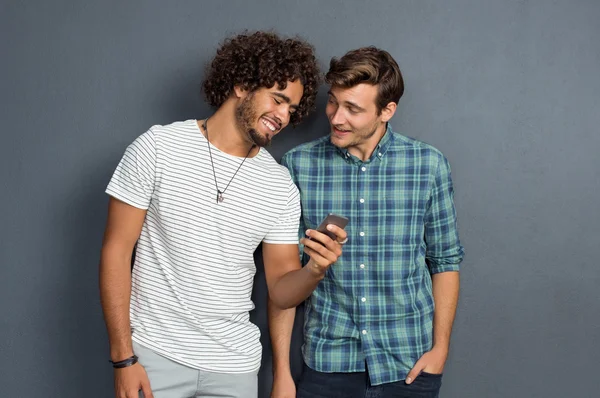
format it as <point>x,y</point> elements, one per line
<point>365,149</point>
<point>224,134</point>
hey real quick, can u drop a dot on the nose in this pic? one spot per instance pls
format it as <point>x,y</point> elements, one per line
<point>283,114</point>
<point>338,117</point>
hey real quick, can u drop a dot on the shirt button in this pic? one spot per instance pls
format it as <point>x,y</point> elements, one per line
<point>363,168</point>
<point>363,299</point>
<point>362,234</point>
<point>379,154</point>
<point>364,332</point>
<point>362,200</point>
<point>362,266</point>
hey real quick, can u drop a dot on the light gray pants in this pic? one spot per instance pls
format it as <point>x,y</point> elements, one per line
<point>170,379</point>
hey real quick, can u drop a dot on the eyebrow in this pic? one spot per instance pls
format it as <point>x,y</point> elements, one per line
<point>349,103</point>
<point>286,99</point>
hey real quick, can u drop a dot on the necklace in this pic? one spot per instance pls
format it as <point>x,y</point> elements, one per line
<point>220,193</point>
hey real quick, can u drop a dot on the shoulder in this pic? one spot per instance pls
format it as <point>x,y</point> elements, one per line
<point>309,150</point>
<point>417,148</point>
<point>275,171</point>
<point>176,130</point>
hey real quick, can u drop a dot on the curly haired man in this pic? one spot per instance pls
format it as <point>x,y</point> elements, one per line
<point>198,197</point>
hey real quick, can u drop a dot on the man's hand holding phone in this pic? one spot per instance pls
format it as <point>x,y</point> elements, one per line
<point>324,244</point>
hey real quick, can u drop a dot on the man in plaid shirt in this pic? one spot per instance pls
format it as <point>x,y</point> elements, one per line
<point>379,323</point>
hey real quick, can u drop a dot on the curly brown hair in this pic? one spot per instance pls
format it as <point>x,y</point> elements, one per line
<point>261,59</point>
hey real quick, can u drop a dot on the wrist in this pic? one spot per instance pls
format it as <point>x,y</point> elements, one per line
<point>121,353</point>
<point>282,373</point>
<point>441,348</point>
<point>125,363</point>
<point>281,366</point>
<point>314,270</point>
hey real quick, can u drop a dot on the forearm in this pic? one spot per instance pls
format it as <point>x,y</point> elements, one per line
<point>445,295</point>
<point>281,323</point>
<point>115,293</point>
<point>295,286</point>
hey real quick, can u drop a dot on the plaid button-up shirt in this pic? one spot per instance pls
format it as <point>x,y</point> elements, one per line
<point>375,304</point>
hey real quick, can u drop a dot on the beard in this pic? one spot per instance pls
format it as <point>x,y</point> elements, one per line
<point>245,117</point>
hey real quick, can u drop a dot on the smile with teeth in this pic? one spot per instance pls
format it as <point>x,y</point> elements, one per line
<point>269,125</point>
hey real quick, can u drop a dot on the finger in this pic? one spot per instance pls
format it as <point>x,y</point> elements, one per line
<point>329,255</point>
<point>338,239</point>
<point>414,372</point>
<point>326,241</point>
<point>319,261</point>
<point>339,232</point>
<point>318,236</point>
<point>146,389</point>
<point>315,246</point>
<point>133,394</point>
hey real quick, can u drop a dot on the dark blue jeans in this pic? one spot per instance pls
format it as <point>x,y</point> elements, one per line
<point>315,384</point>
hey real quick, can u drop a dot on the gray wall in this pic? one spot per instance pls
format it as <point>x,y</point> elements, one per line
<point>508,90</point>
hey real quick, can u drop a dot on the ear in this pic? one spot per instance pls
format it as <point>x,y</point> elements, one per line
<point>388,111</point>
<point>240,91</point>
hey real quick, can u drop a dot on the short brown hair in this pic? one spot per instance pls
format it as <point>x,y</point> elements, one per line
<point>261,59</point>
<point>368,65</point>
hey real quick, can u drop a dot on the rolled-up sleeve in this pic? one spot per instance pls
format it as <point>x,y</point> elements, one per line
<point>444,251</point>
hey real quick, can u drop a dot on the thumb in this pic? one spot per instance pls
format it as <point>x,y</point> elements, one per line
<point>414,372</point>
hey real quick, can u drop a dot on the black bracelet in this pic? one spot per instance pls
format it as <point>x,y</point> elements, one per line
<point>132,360</point>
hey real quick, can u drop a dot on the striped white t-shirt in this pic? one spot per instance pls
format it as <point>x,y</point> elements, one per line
<point>194,267</point>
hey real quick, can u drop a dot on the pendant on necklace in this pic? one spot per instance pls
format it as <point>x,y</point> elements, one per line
<point>220,198</point>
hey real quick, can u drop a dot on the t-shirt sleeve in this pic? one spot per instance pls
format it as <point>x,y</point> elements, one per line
<point>286,229</point>
<point>133,180</point>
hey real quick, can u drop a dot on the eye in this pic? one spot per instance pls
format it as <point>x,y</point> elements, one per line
<point>352,111</point>
<point>276,101</point>
<point>292,111</point>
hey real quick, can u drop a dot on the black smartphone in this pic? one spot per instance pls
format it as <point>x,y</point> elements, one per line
<point>334,219</point>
